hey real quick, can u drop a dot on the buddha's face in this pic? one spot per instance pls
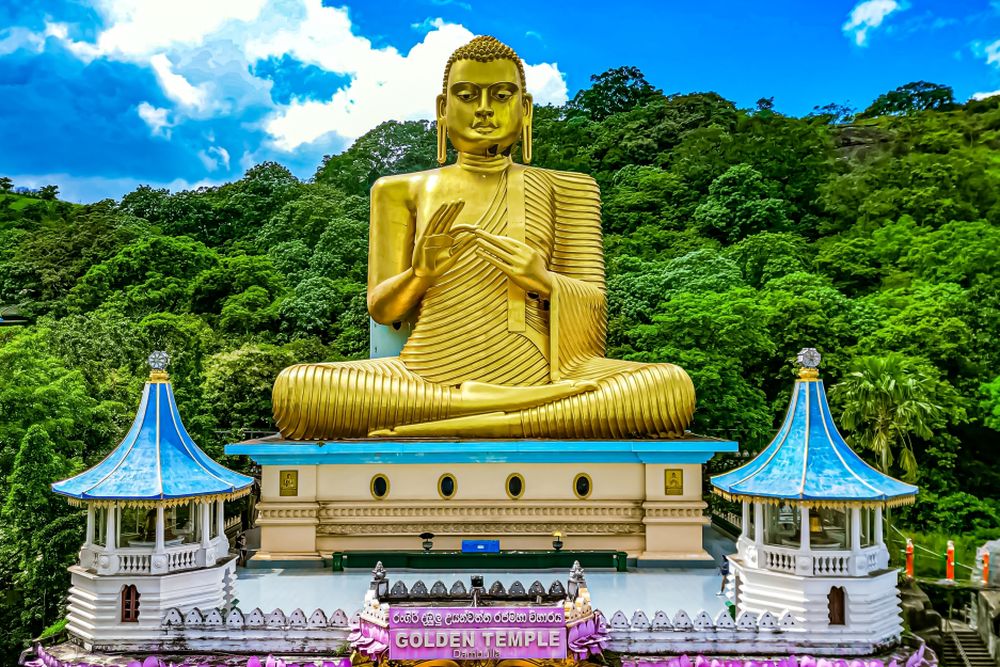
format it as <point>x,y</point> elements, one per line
<point>485,106</point>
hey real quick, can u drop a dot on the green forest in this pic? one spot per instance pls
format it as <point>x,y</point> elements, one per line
<point>734,238</point>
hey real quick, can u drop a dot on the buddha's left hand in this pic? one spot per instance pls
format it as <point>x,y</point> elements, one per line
<point>523,264</point>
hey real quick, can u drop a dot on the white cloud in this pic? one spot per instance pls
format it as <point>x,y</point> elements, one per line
<point>156,118</point>
<point>88,189</point>
<point>214,157</point>
<point>17,38</point>
<point>203,54</point>
<point>869,15</point>
<point>992,53</point>
<point>175,86</point>
<point>983,96</point>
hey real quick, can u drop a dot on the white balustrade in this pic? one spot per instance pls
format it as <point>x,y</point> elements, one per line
<point>144,560</point>
<point>782,560</point>
<point>818,562</point>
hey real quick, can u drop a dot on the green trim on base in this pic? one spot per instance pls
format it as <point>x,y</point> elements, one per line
<point>457,560</point>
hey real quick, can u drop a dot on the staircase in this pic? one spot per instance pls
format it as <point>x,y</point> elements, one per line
<point>963,647</point>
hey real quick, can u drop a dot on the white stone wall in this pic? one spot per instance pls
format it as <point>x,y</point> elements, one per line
<point>94,610</point>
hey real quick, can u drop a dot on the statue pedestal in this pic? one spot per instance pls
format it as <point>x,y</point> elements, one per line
<point>639,496</point>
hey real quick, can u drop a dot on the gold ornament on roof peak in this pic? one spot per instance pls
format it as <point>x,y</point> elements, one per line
<point>158,361</point>
<point>809,358</point>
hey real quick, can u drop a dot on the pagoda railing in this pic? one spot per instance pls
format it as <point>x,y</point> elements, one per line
<point>818,562</point>
<point>145,560</point>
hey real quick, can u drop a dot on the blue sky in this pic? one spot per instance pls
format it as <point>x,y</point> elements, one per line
<point>99,96</point>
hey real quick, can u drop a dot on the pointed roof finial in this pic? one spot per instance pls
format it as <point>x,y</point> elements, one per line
<point>809,359</point>
<point>158,361</point>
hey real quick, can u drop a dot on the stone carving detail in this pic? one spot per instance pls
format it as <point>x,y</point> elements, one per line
<point>458,590</point>
<point>419,590</point>
<point>338,618</point>
<point>235,619</point>
<point>788,621</point>
<point>419,512</point>
<point>517,528</point>
<point>318,619</point>
<point>557,590</point>
<point>536,589</point>
<point>640,621</point>
<point>438,590</point>
<point>682,621</point>
<point>724,621</point>
<point>276,619</point>
<point>297,618</point>
<point>703,621</point>
<point>746,621</point>
<point>622,627</point>
<point>497,590</point>
<point>398,590</point>
<point>516,590</point>
<point>619,621</point>
<point>767,621</point>
<point>256,618</point>
<point>661,622</point>
<point>173,617</point>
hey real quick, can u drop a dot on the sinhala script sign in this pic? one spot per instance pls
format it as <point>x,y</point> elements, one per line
<point>463,633</point>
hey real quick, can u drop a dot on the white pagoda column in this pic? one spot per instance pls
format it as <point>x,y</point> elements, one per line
<point>758,525</point>
<point>159,548</point>
<point>745,528</point>
<point>220,519</point>
<point>206,525</point>
<point>89,541</point>
<point>804,544</point>
<point>879,537</point>
<point>856,530</point>
<point>111,539</point>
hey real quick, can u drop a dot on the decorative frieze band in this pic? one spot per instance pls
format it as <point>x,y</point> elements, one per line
<point>482,512</point>
<point>570,528</point>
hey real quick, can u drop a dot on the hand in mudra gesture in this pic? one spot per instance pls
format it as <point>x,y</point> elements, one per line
<point>524,265</point>
<point>437,248</point>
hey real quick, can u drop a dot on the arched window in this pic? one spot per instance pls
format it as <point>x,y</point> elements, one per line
<point>835,602</point>
<point>130,604</point>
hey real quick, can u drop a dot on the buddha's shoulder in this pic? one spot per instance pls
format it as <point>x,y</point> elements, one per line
<point>564,178</point>
<point>568,182</point>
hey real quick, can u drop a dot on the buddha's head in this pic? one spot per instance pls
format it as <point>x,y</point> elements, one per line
<point>484,105</point>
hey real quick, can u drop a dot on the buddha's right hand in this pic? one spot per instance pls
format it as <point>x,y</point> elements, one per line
<point>435,250</point>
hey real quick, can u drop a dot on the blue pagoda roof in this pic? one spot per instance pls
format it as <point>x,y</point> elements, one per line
<point>808,461</point>
<point>157,462</point>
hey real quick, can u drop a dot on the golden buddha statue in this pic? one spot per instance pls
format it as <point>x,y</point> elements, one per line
<point>499,267</point>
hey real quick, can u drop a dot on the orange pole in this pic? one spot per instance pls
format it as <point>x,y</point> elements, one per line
<point>986,568</point>
<point>950,563</point>
<point>909,558</point>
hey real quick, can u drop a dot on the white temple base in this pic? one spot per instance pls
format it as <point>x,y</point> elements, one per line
<point>871,604</point>
<point>94,611</point>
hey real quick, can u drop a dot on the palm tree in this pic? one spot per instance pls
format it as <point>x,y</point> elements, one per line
<point>887,401</point>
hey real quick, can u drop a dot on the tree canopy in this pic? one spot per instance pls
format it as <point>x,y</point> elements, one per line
<point>733,238</point>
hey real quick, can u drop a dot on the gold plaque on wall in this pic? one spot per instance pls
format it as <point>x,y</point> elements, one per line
<point>673,482</point>
<point>288,483</point>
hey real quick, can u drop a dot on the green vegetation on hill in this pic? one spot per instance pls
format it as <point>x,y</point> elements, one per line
<point>734,238</point>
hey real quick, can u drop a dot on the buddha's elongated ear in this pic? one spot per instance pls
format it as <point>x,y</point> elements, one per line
<point>529,112</point>
<point>442,131</point>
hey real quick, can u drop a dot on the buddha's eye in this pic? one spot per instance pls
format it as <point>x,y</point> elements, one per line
<point>465,96</point>
<point>502,95</point>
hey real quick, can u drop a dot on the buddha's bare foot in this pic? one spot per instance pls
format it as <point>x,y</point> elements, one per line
<point>489,425</point>
<point>482,397</point>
